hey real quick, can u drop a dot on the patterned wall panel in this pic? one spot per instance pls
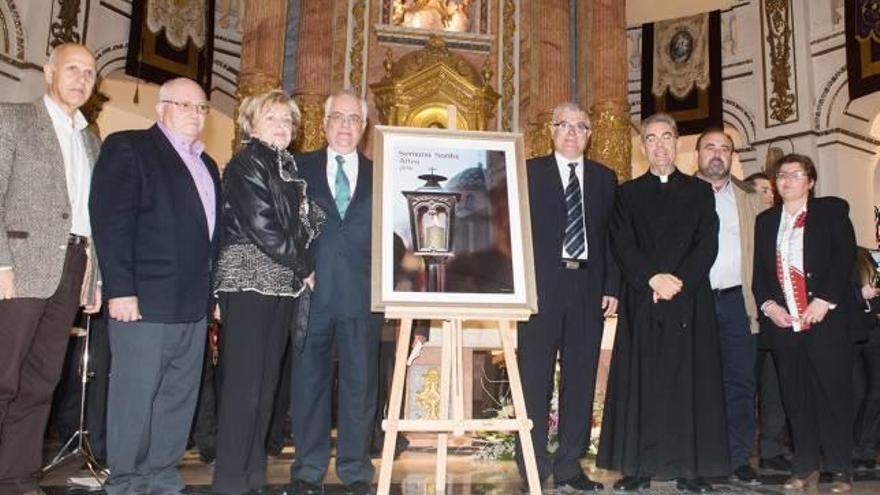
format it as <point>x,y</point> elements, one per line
<point>780,69</point>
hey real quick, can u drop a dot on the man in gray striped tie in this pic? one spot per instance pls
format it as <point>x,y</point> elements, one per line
<point>577,279</point>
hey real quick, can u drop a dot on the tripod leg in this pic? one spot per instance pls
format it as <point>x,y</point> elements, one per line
<point>69,449</point>
<point>81,448</point>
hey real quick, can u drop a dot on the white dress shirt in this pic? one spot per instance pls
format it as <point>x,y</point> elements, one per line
<point>726,272</point>
<point>564,171</point>
<point>350,168</point>
<point>77,169</point>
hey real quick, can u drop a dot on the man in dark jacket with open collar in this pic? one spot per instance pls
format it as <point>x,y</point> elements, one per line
<point>154,209</point>
<point>340,180</point>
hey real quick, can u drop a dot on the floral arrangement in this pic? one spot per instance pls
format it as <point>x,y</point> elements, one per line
<point>501,445</point>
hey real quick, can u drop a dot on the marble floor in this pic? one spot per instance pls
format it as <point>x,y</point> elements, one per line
<point>414,474</point>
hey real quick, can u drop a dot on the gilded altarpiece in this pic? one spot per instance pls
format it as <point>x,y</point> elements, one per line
<point>483,32</point>
<point>478,40</point>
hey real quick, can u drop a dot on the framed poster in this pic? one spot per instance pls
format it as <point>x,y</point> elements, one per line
<point>451,226</point>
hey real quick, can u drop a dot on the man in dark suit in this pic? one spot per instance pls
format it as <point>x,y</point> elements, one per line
<point>577,279</point>
<point>154,209</point>
<point>46,157</point>
<point>340,180</point>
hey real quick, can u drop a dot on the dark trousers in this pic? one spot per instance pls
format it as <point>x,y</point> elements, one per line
<point>738,351</point>
<point>99,381</point>
<point>154,385</point>
<point>817,393</point>
<point>773,436</point>
<point>357,343</point>
<point>866,386</point>
<point>204,428</point>
<point>33,339</point>
<point>575,333</point>
<point>256,329</point>
<point>279,427</point>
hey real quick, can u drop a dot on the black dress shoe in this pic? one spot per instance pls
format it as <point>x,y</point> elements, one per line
<point>359,488</point>
<point>746,474</point>
<point>695,485</point>
<point>776,463</point>
<point>632,484</point>
<point>303,487</point>
<point>581,483</point>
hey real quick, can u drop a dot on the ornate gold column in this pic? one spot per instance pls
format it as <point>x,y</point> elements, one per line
<point>314,58</point>
<point>544,61</point>
<point>606,86</point>
<point>262,49</point>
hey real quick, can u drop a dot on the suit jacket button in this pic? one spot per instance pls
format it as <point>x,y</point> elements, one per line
<point>65,215</point>
<point>809,275</point>
<point>809,293</point>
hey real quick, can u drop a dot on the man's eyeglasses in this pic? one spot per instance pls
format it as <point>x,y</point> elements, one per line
<point>337,118</point>
<point>186,106</point>
<point>666,137</point>
<point>565,126</point>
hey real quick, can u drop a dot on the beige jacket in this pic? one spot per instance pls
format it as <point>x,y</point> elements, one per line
<point>35,217</point>
<point>748,205</point>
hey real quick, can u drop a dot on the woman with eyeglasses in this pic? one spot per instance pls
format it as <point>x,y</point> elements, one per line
<point>804,254</point>
<point>263,269</point>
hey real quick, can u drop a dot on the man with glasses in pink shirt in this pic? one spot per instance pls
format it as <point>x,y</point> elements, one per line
<point>154,210</point>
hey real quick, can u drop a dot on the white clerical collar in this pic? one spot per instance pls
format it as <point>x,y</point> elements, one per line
<point>663,178</point>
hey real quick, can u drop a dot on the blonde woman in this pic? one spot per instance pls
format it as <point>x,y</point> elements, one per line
<point>268,223</point>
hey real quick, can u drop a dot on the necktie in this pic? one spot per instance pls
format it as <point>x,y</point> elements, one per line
<point>574,241</point>
<point>343,188</point>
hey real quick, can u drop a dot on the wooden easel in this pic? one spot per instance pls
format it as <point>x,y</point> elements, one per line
<point>452,418</point>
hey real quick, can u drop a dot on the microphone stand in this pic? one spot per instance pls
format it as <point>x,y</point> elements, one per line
<point>78,446</point>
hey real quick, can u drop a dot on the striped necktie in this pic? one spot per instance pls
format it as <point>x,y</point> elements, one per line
<point>343,188</point>
<point>575,240</point>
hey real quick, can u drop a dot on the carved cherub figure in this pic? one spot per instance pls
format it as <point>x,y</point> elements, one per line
<point>458,18</point>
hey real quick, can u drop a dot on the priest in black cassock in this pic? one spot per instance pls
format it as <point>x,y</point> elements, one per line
<point>664,409</point>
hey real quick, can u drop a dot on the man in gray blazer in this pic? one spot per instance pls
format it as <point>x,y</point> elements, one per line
<point>46,157</point>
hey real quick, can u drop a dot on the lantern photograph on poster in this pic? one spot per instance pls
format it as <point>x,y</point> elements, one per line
<point>451,214</point>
